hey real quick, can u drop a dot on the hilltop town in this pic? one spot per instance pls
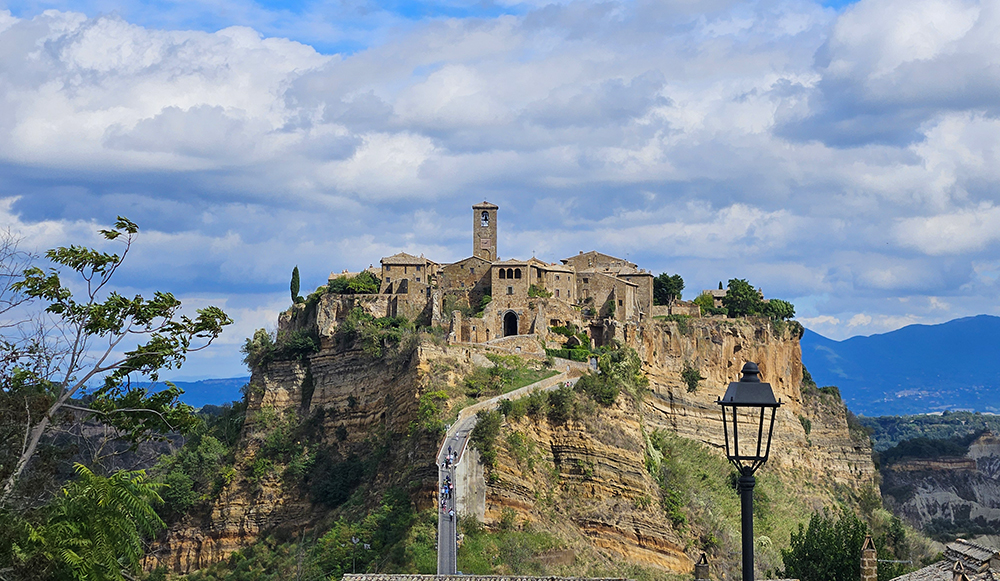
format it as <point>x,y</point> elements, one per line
<point>489,300</point>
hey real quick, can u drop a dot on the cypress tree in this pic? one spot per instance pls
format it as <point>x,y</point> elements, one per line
<point>295,283</point>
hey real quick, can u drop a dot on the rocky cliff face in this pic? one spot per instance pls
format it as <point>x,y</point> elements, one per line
<point>955,495</point>
<point>601,461</point>
<point>597,465</point>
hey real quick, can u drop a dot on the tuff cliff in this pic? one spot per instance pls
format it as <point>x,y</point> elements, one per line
<point>949,495</point>
<point>587,479</point>
<point>599,483</point>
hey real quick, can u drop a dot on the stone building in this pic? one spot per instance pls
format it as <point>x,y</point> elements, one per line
<point>600,293</point>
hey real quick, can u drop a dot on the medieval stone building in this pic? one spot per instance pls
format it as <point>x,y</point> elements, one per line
<point>491,300</point>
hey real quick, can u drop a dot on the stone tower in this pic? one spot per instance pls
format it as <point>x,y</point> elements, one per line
<point>484,231</point>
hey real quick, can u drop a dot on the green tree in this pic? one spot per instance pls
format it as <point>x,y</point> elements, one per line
<point>705,302</point>
<point>294,286</point>
<point>93,531</point>
<point>828,550</point>
<point>779,309</point>
<point>667,288</point>
<point>90,339</point>
<point>742,300</point>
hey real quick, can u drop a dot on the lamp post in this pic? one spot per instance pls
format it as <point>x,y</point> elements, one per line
<point>748,401</point>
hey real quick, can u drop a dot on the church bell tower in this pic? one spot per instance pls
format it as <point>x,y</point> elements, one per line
<point>484,231</point>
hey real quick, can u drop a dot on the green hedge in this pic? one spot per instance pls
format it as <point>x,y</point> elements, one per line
<point>571,354</point>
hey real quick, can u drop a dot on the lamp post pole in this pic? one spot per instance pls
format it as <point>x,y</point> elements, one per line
<point>754,398</point>
<point>747,482</point>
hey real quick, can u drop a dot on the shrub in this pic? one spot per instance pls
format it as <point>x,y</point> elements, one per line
<point>581,355</point>
<point>705,302</point>
<point>535,291</point>
<point>691,375</point>
<point>806,424</point>
<point>560,404</point>
<point>364,283</point>
<point>600,388</point>
<point>484,435</point>
<point>259,350</point>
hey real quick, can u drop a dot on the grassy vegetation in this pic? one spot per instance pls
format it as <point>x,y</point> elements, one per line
<point>509,372</point>
<point>509,551</point>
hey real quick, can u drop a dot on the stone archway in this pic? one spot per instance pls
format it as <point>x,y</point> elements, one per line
<point>510,324</point>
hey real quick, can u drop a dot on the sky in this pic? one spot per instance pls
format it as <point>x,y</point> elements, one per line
<point>842,156</point>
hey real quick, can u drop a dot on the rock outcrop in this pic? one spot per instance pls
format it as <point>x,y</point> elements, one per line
<point>602,460</point>
<point>956,495</point>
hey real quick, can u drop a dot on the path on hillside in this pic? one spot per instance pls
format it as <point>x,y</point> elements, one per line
<point>456,439</point>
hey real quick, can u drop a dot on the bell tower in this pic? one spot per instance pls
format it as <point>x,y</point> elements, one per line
<point>484,231</point>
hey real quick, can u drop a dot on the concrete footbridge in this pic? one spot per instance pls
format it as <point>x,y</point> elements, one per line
<point>464,475</point>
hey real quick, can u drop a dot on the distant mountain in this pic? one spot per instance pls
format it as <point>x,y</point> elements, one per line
<point>210,391</point>
<point>916,369</point>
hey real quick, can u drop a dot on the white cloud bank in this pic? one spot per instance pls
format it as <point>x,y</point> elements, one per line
<point>847,162</point>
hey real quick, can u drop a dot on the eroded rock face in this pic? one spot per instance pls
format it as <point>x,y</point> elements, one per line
<point>962,494</point>
<point>602,462</point>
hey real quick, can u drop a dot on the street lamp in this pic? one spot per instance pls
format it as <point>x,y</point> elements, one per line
<point>748,400</point>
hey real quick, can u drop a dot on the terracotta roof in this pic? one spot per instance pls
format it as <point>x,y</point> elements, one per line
<point>486,206</point>
<point>404,258</point>
<point>511,262</point>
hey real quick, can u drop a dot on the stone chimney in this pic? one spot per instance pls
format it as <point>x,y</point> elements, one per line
<point>869,560</point>
<point>958,572</point>
<point>701,568</point>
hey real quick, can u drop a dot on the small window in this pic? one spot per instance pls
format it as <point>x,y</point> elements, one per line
<point>462,284</point>
<point>619,302</point>
<point>586,281</point>
<point>517,273</point>
<point>387,279</point>
<point>557,277</point>
<point>418,268</point>
<point>417,279</point>
<point>472,271</point>
<point>388,268</point>
<point>557,293</point>
<point>510,290</point>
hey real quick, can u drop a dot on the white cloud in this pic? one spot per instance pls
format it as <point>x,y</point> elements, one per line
<point>847,156</point>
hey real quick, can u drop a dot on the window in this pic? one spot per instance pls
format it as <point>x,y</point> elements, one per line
<point>619,302</point>
<point>472,271</point>
<point>484,219</point>
<point>417,279</point>
<point>418,268</point>
<point>462,284</point>
<point>557,293</point>
<point>503,273</point>
<point>510,290</point>
<point>557,277</point>
<point>388,268</point>
<point>586,281</point>
<point>517,273</point>
<point>387,279</point>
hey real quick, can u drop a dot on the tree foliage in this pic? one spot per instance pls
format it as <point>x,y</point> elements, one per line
<point>92,531</point>
<point>84,334</point>
<point>691,375</point>
<point>364,283</point>
<point>742,300</point>
<point>294,285</point>
<point>779,309</point>
<point>667,288</point>
<point>830,549</point>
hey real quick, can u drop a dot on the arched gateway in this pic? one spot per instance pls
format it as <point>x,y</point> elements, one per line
<point>510,324</point>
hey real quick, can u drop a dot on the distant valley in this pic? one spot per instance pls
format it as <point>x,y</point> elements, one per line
<point>913,370</point>
<point>210,391</point>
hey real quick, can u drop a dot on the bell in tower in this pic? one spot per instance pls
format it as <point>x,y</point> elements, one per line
<point>484,231</point>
